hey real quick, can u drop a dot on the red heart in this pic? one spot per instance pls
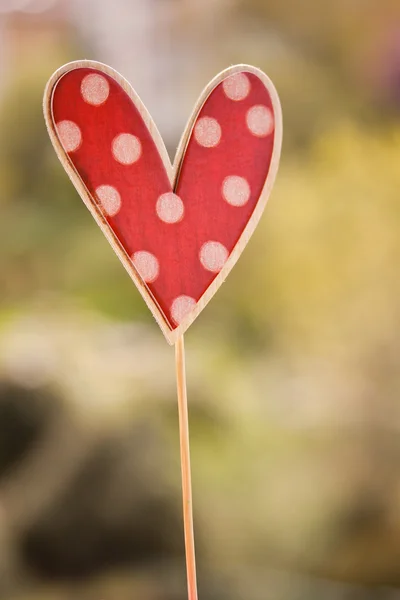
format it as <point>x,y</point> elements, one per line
<point>178,230</point>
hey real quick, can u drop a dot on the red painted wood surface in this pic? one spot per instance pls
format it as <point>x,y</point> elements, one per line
<point>178,239</point>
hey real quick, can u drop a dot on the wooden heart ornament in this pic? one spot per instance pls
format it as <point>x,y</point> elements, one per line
<point>178,229</point>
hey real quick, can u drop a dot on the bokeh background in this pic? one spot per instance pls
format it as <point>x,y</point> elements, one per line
<point>293,369</point>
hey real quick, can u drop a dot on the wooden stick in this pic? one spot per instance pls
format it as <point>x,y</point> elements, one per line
<point>185,465</point>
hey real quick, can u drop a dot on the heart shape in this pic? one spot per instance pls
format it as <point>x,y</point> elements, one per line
<point>178,230</point>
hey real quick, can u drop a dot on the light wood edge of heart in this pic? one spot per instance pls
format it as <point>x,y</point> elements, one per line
<point>173,172</point>
<point>83,191</point>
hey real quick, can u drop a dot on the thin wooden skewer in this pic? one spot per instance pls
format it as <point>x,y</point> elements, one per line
<point>185,466</point>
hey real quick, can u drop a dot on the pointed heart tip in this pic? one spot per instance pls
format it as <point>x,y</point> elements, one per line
<point>178,230</point>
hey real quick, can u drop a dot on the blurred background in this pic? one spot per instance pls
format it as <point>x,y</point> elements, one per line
<point>293,369</point>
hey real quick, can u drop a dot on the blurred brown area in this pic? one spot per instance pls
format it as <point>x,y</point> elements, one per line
<point>293,369</point>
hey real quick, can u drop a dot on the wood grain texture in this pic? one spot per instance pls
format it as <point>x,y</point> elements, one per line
<point>220,181</point>
<point>185,468</point>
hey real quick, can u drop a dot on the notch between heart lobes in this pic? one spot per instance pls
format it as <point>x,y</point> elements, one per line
<point>178,230</point>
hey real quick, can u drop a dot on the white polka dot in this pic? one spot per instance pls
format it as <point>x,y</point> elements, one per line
<point>126,148</point>
<point>70,135</point>
<point>182,306</point>
<point>260,120</point>
<point>170,208</point>
<point>146,265</point>
<point>207,132</point>
<point>236,87</point>
<point>236,190</point>
<point>95,89</point>
<point>213,256</point>
<point>109,199</point>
